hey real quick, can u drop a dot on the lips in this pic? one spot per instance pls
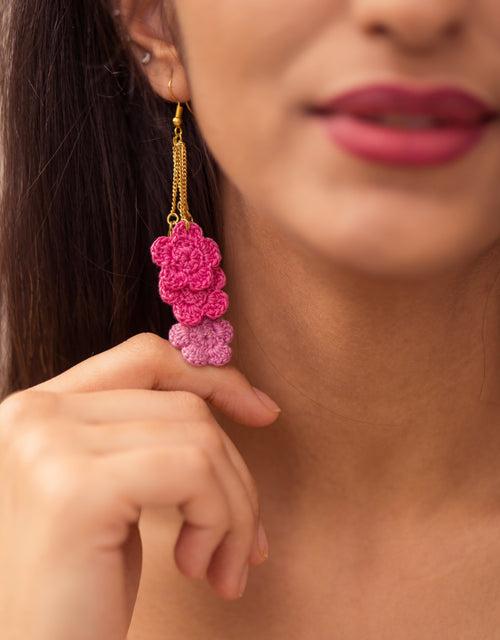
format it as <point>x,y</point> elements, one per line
<point>449,106</point>
<point>406,126</point>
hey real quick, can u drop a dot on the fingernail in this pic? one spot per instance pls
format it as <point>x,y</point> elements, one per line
<point>266,400</point>
<point>262,541</point>
<point>243,581</point>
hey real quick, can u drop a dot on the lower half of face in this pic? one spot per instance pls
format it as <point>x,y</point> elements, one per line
<point>257,71</point>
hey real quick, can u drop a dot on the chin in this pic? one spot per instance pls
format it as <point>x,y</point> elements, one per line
<point>395,245</point>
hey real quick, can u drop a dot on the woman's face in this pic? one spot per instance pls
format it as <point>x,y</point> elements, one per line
<point>254,69</point>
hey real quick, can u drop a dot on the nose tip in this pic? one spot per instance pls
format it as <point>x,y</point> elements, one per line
<point>414,24</point>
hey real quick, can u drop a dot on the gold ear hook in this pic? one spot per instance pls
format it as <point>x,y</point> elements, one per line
<point>173,95</point>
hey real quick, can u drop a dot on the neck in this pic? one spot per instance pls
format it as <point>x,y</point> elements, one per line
<point>389,389</point>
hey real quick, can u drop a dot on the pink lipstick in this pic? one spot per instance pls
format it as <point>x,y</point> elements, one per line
<point>405,126</point>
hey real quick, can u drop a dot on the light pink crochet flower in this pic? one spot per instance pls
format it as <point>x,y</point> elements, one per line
<point>205,343</point>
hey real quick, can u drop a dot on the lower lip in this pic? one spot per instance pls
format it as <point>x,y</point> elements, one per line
<point>390,145</point>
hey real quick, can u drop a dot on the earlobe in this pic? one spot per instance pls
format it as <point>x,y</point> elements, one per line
<point>151,43</point>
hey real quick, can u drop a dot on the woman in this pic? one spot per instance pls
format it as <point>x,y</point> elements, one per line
<point>346,156</point>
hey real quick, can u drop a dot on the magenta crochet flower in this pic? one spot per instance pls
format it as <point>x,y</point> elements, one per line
<point>186,258</point>
<point>189,307</point>
<point>190,277</point>
<point>205,343</point>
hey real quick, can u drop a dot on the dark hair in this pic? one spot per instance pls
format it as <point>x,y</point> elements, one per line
<point>86,188</point>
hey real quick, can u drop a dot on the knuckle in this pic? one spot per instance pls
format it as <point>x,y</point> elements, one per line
<point>190,400</point>
<point>208,438</point>
<point>199,461</point>
<point>148,352</point>
<point>143,337</point>
<point>23,404</point>
<point>57,482</point>
<point>146,343</point>
<point>193,404</point>
<point>28,444</point>
<point>13,407</point>
<point>22,416</point>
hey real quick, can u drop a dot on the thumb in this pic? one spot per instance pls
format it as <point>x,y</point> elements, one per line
<point>147,361</point>
<point>243,402</point>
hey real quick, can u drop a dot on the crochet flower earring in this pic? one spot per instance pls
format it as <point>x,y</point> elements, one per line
<point>191,278</point>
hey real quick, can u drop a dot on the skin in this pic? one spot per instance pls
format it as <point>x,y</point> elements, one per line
<point>365,301</point>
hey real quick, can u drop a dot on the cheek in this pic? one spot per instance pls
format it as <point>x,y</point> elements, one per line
<point>228,48</point>
<point>238,56</point>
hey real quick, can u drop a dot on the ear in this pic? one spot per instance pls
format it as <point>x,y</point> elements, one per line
<point>146,24</point>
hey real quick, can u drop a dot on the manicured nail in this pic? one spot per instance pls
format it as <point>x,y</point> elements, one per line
<point>262,541</point>
<point>243,581</point>
<point>266,400</point>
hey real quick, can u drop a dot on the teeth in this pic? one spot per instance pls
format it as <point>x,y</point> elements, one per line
<point>407,121</point>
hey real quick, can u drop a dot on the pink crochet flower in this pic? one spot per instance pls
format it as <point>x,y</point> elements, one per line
<point>205,343</point>
<point>186,258</point>
<point>189,307</point>
<point>190,277</point>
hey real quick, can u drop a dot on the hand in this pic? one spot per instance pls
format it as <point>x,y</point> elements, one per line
<point>82,453</point>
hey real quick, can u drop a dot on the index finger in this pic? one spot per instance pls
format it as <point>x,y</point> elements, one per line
<point>147,361</point>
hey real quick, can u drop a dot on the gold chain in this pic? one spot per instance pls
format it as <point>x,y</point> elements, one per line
<point>179,176</point>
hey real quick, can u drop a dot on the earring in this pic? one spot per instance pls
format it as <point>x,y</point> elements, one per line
<point>191,278</point>
<point>173,95</point>
<point>146,57</point>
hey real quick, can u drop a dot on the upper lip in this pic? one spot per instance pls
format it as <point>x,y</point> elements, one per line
<point>446,103</point>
